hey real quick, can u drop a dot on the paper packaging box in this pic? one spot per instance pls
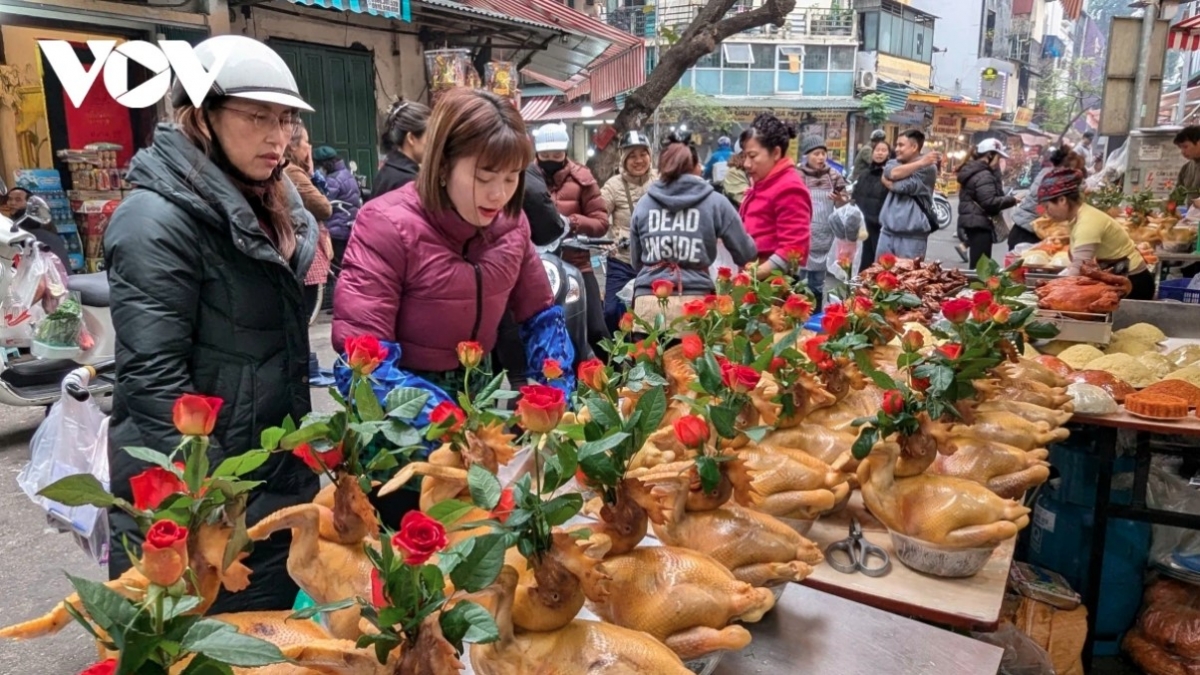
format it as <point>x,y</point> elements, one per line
<point>95,215</point>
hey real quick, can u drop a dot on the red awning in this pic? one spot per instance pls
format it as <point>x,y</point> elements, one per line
<point>1072,8</point>
<point>1185,35</point>
<point>534,107</point>
<point>560,85</point>
<point>574,111</point>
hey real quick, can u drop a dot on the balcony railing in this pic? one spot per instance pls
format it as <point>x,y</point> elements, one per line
<point>639,21</point>
<point>822,22</point>
<point>675,16</point>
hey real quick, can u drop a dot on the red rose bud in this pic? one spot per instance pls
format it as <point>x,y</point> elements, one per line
<point>887,261</point>
<point>319,461</point>
<point>693,347</point>
<point>378,594</point>
<point>626,324</point>
<point>951,350</point>
<point>794,256</point>
<point>813,348</point>
<point>741,379</point>
<point>107,667</point>
<point>1018,275</point>
<point>505,506</point>
<point>593,374</point>
<point>893,402</point>
<point>913,341</point>
<point>827,364</point>
<point>981,313</point>
<point>834,319</point>
<point>419,537</point>
<point>777,364</point>
<point>692,431</point>
<point>541,408</point>
<point>551,370</point>
<point>448,412</point>
<point>779,282</point>
<point>470,354</point>
<point>797,307</point>
<point>1001,314</point>
<point>153,485</point>
<point>750,298</point>
<point>724,274</point>
<point>644,350</point>
<point>993,284</point>
<point>725,305</point>
<point>710,301</point>
<point>196,415</point>
<point>863,306</point>
<point>956,310</point>
<point>982,299</point>
<point>887,282</point>
<point>920,383</point>
<point>164,553</point>
<point>742,279</point>
<point>364,354</point>
<point>695,309</point>
<point>662,289</point>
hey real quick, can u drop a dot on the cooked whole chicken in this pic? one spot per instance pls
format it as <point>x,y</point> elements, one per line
<point>1094,292</point>
<point>1035,393</point>
<point>940,510</point>
<point>550,592</point>
<point>1011,429</point>
<point>1028,411</point>
<point>682,598</point>
<point>445,472</point>
<point>792,484</point>
<point>1003,469</point>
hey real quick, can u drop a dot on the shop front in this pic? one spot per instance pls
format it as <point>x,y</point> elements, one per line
<point>828,119</point>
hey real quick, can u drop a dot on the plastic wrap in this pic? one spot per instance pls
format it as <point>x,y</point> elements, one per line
<point>1092,400</point>
<point>1170,492</point>
<point>1176,628</point>
<point>37,287</point>
<point>1153,659</point>
<point>1054,365</point>
<point>1022,656</point>
<point>1115,387</point>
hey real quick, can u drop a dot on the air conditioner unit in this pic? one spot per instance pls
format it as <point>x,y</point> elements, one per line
<point>868,80</point>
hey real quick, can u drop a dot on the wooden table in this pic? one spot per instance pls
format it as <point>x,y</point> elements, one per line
<point>972,603</point>
<point>816,633</point>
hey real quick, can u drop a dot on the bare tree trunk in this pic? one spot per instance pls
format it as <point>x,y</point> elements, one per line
<point>701,37</point>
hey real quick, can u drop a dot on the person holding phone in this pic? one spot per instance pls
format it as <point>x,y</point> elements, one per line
<point>827,188</point>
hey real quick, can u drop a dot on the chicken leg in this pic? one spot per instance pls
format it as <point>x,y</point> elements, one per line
<point>1004,469</point>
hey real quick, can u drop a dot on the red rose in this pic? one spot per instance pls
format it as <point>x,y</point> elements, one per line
<point>795,256</point>
<point>164,553</point>
<point>551,370</point>
<point>951,350</point>
<point>724,274</point>
<point>1018,275</point>
<point>993,284</point>
<point>981,313</point>
<point>920,383</point>
<point>196,415</point>
<point>862,306</point>
<point>693,347</point>
<point>420,537</point>
<point>103,668</point>
<point>1129,210</point>
<point>742,279</point>
<point>956,310</point>
<point>644,350</point>
<point>834,320</point>
<point>797,307</point>
<point>505,506</point>
<point>320,461</point>
<point>449,415</point>
<point>1001,314</point>
<point>364,354</point>
<point>887,282</point>
<point>777,364</point>
<point>741,379</point>
<point>725,306</point>
<point>593,374</point>
<point>813,348</point>
<point>893,402</point>
<point>750,298</point>
<point>626,323</point>
<point>887,261</point>
<point>982,299</point>
<point>695,309</point>
<point>779,282</point>
<point>662,289</point>
<point>153,485</point>
<point>470,354</point>
<point>710,300</point>
<point>913,341</point>
<point>378,595</point>
<point>691,430</point>
<point>541,407</point>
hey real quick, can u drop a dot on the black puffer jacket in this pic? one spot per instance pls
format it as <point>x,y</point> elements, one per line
<point>870,193</point>
<point>980,196</point>
<point>397,171</point>
<point>202,302</point>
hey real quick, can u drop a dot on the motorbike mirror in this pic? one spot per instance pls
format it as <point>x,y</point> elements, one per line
<point>37,210</point>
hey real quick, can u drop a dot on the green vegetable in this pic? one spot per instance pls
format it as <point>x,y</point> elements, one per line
<point>61,327</point>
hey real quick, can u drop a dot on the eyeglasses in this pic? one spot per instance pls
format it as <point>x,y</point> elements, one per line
<point>267,122</point>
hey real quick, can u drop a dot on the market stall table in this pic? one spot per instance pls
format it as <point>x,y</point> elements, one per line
<point>1168,261</point>
<point>817,633</point>
<point>972,603</point>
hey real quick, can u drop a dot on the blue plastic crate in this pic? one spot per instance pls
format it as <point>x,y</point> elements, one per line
<point>814,322</point>
<point>1177,290</point>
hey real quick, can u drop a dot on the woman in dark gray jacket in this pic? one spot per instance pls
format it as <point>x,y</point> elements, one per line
<point>206,259</point>
<point>981,198</point>
<point>403,139</point>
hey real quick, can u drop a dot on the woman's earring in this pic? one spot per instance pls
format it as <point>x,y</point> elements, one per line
<point>442,182</point>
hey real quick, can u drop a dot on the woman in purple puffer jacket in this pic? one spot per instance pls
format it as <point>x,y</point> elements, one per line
<point>442,259</point>
<point>341,188</point>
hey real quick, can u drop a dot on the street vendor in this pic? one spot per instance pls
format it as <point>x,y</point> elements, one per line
<point>1188,142</point>
<point>1095,237</point>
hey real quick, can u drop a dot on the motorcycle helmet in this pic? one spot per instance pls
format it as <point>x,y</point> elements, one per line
<point>552,137</point>
<point>878,135</point>
<point>634,139</point>
<point>251,70</point>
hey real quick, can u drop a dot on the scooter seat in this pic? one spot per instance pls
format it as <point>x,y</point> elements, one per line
<point>37,372</point>
<point>92,288</point>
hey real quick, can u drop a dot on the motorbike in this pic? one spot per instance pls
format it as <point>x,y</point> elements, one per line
<point>566,284</point>
<point>27,380</point>
<point>942,210</point>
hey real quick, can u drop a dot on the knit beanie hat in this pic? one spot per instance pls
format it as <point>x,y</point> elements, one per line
<point>812,143</point>
<point>1059,182</point>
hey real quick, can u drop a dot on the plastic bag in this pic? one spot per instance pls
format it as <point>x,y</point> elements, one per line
<point>71,440</point>
<point>723,259</point>
<point>1173,546</point>
<point>1022,656</point>
<point>1092,400</point>
<point>847,221</point>
<point>34,292</point>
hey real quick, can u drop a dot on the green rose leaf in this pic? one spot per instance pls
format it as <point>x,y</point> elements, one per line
<point>270,437</point>
<point>1040,330</point>
<point>246,462</point>
<point>203,665</point>
<point>305,434</point>
<point>449,511</point>
<point>406,403</point>
<point>562,508</point>
<point>866,440</point>
<point>107,609</point>
<point>724,420</point>
<point>485,487</point>
<point>652,405</point>
<point>367,403</point>
<point>151,457</point>
<point>710,474</point>
<point>221,642</point>
<point>78,490</point>
<point>314,610</point>
<point>479,567</point>
<point>468,622</point>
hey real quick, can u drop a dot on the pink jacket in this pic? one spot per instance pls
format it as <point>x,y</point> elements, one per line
<point>777,212</point>
<point>431,281</point>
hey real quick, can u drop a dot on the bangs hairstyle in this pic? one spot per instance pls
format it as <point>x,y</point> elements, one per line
<point>472,123</point>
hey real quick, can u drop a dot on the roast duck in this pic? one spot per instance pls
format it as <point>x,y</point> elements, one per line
<point>1093,292</point>
<point>1166,639</point>
<point>928,281</point>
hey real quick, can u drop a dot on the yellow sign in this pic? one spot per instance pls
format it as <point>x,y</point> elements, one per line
<point>990,74</point>
<point>977,123</point>
<point>904,71</point>
<point>1023,117</point>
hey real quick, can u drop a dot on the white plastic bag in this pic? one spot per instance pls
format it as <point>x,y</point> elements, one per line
<point>724,259</point>
<point>71,440</point>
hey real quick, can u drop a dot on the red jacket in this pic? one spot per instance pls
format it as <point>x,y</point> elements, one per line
<point>577,196</point>
<point>431,281</point>
<point>777,212</point>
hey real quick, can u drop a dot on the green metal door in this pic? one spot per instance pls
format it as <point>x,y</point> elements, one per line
<point>340,85</point>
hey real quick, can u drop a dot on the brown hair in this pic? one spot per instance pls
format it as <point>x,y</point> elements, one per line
<point>473,123</point>
<point>289,151</point>
<point>268,198</point>
<point>677,159</point>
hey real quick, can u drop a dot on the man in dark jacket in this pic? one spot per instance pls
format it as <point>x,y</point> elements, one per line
<point>981,199</point>
<point>203,302</point>
<point>545,225</point>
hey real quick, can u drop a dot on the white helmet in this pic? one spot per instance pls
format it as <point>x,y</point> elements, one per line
<point>252,70</point>
<point>991,145</point>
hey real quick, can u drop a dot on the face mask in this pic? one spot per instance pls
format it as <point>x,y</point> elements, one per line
<point>550,168</point>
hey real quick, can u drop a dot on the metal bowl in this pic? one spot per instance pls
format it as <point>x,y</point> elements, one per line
<point>939,561</point>
<point>802,527</point>
<point>704,665</point>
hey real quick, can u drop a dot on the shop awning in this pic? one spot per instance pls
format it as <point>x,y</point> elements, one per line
<point>1185,35</point>
<point>533,108</point>
<point>574,111</point>
<point>399,9</point>
<point>1072,8</point>
<point>896,94</point>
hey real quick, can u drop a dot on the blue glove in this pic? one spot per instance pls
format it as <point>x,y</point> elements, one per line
<point>318,180</point>
<point>545,337</point>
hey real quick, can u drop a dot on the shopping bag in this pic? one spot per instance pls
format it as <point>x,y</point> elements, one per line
<point>724,259</point>
<point>71,440</point>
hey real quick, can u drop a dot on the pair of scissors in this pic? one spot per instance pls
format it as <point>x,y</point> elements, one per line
<point>858,551</point>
